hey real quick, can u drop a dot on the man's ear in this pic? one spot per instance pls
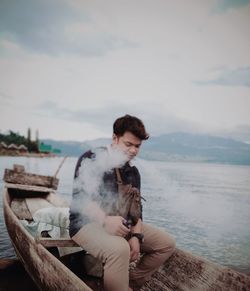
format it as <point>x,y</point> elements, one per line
<point>114,138</point>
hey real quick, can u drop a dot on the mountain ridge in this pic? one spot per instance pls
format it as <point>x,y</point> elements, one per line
<point>176,146</point>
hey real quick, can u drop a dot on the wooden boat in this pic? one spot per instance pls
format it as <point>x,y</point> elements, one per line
<point>183,271</point>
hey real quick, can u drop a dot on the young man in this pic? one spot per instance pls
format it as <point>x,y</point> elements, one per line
<point>101,230</point>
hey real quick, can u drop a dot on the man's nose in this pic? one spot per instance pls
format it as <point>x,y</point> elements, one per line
<point>133,150</point>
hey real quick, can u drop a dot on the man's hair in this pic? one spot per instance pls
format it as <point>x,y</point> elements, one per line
<point>131,124</point>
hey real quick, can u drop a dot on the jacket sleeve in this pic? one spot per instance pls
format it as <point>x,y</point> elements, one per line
<point>76,216</point>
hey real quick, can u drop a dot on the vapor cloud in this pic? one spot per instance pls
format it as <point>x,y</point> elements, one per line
<point>89,181</point>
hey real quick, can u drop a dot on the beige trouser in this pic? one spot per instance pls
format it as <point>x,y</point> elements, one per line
<point>114,252</point>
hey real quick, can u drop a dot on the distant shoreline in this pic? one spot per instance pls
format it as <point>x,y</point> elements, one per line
<point>32,155</point>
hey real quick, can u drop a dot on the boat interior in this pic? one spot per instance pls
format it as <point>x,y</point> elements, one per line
<point>44,214</point>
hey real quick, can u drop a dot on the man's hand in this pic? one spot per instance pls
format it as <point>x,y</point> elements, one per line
<point>114,225</point>
<point>134,248</point>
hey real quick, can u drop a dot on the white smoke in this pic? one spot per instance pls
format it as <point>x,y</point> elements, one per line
<point>90,178</point>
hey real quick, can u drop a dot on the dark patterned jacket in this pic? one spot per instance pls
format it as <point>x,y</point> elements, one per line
<point>109,187</point>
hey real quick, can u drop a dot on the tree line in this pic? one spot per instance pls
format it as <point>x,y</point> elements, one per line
<point>17,139</point>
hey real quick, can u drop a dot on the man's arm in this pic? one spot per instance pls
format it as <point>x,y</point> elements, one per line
<point>112,224</point>
<point>134,241</point>
<point>137,228</point>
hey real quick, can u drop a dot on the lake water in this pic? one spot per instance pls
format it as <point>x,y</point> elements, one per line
<point>206,207</point>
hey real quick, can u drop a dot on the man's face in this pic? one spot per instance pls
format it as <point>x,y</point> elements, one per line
<point>128,143</point>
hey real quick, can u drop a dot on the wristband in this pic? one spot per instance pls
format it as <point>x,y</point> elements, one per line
<point>140,236</point>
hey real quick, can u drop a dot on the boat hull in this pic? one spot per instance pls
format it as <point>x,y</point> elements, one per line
<point>182,272</point>
<point>46,270</point>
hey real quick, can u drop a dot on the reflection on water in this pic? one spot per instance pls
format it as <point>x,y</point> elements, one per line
<point>205,206</point>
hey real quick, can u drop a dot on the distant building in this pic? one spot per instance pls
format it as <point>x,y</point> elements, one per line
<point>3,145</point>
<point>45,148</point>
<point>22,149</point>
<point>56,151</point>
<point>12,147</point>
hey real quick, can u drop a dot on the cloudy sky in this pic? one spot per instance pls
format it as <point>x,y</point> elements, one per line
<point>69,68</point>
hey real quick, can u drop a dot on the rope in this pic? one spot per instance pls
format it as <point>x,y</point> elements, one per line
<point>57,171</point>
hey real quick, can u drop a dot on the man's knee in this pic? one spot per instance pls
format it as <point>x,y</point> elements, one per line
<point>171,241</point>
<point>170,245</point>
<point>121,250</point>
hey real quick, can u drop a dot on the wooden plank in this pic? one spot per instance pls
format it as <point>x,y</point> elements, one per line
<point>184,271</point>
<point>20,208</point>
<point>29,188</point>
<point>59,242</point>
<point>19,177</point>
<point>18,168</point>
<point>37,203</point>
<point>57,200</point>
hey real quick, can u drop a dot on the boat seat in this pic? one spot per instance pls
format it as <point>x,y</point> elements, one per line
<point>91,265</point>
<point>40,217</point>
<point>53,222</point>
<point>58,242</point>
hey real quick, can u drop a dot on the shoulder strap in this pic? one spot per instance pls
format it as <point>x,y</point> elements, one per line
<point>118,176</point>
<point>87,155</point>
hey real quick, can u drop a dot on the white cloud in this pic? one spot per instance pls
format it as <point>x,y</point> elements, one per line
<point>54,28</point>
<point>105,59</point>
<point>238,77</point>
